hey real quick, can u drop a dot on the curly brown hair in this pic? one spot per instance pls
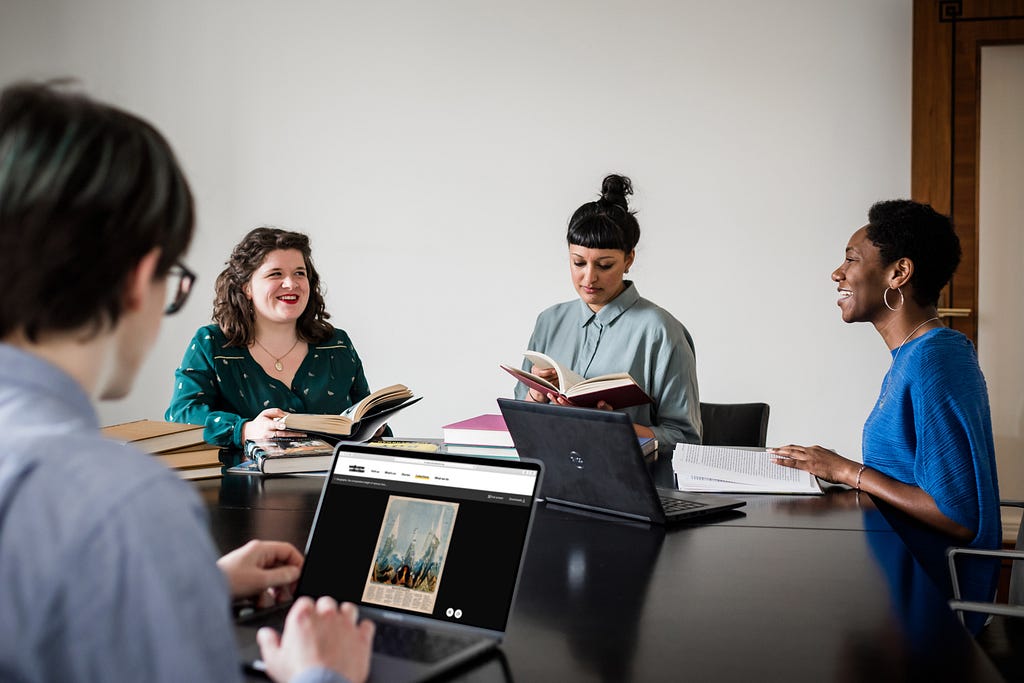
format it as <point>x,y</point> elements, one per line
<point>232,310</point>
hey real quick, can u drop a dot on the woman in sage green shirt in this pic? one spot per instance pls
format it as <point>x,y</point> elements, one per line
<point>610,328</point>
<point>271,349</point>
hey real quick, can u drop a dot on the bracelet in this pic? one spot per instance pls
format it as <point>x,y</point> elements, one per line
<point>860,472</point>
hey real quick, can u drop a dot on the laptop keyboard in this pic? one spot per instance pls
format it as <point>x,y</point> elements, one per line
<point>676,505</point>
<point>417,644</point>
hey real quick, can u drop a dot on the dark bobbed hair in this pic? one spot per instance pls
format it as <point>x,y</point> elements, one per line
<point>233,311</point>
<point>607,223</point>
<point>904,228</point>
<point>86,190</point>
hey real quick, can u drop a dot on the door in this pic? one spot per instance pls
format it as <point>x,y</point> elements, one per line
<point>950,38</point>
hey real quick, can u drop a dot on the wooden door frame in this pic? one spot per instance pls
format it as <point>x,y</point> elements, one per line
<point>946,124</point>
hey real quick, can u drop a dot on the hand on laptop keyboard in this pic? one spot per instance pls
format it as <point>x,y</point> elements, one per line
<point>321,634</point>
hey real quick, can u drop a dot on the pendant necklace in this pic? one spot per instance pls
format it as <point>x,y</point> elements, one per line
<point>278,365</point>
<point>888,375</point>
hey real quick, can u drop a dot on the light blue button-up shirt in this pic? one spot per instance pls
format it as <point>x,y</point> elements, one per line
<point>107,569</point>
<point>629,334</point>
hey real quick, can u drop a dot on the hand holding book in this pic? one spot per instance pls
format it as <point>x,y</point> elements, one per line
<point>617,390</point>
<point>359,422</point>
<point>737,470</point>
<point>268,424</point>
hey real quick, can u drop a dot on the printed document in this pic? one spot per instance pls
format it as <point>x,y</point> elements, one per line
<point>737,470</point>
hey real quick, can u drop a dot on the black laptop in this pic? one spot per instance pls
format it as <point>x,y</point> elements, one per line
<point>592,460</point>
<point>429,546</point>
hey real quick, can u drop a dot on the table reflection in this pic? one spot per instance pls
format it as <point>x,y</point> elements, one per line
<point>572,553</point>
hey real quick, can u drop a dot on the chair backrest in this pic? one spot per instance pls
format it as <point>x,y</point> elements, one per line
<point>734,424</point>
<point>1016,596</point>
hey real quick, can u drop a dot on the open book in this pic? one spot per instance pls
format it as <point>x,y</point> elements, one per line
<point>618,390</point>
<point>737,470</point>
<point>361,421</point>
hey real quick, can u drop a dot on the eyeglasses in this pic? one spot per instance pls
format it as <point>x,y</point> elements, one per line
<point>179,286</point>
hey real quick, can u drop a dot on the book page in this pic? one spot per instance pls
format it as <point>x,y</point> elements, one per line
<point>396,393</point>
<point>747,468</point>
<point>605,382</point>
<point>538,383</point>
<point>567,379</point>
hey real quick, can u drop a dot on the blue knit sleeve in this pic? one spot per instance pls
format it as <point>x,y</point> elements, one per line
<point>953,460</point>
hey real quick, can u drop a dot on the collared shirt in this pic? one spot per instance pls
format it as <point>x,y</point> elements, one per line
<point>223,387</point>
<point>629,334</point>
<point>107,570</point>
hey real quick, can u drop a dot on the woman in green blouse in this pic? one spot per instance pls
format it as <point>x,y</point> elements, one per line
<point>270,349</point>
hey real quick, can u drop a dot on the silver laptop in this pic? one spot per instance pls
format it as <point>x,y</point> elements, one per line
<point>404,535</point>
<point>593,461</point>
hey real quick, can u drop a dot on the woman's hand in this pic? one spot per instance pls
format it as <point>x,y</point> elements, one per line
<point>909,498</point>
<point>537,396</point>
<point>819,461</point>
<point>267,425</point>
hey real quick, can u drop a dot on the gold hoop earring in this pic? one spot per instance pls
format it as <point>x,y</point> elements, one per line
<point>885,298</point>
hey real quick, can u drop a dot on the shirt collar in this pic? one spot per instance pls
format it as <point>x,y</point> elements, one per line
<point>611,311</point>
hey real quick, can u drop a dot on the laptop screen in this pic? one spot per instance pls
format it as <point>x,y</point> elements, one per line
<point>440,538</point>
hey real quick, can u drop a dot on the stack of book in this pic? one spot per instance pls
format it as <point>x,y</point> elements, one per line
<point>484,436</point>
<point>179,446</point>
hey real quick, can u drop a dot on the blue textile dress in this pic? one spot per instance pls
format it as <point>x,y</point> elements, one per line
<point>932,428</point>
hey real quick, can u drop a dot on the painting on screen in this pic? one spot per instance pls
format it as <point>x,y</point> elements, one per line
<point>412,546</point>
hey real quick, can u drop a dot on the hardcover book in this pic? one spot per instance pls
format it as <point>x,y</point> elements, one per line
<point>482,430</point>
<point>285,456</point>
<point>618,390</point>
<point>155,436</point>
<point>360,421</point>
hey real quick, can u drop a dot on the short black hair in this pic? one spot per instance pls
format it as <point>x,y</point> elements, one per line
<point>86,190</point>
<point>904,228</point>
<point>607,223</point>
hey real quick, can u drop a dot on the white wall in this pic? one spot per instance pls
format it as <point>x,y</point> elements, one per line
<point>1001,257</point>
<point>434,152</point>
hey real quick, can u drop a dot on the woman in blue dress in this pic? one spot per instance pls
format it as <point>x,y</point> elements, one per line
<point>927,444</point>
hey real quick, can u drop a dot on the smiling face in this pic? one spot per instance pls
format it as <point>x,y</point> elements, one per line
<point>597,273</point>
<point>862,279</point>
<point>279,288</point>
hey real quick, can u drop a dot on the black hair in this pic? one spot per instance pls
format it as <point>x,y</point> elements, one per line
<point>904,228</point>
<point>86,190</point>
<point>607,223</point>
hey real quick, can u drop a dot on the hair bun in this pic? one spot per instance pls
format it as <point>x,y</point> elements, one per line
<point>615,188</point>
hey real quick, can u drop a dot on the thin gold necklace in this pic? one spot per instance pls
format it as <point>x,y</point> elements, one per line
<point>888,375</point>
<point>278,365</point>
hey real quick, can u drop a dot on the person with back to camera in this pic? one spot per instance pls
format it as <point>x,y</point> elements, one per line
<point>108,571</point>
<point>270,349</point>
<point>927,444</point>
<point>610,328</point>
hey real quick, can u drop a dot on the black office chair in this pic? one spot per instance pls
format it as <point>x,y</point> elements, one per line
<point>1003,639</point>
<point>734,424</point>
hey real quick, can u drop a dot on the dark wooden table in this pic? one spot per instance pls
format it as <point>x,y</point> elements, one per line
<point>788,589</point>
